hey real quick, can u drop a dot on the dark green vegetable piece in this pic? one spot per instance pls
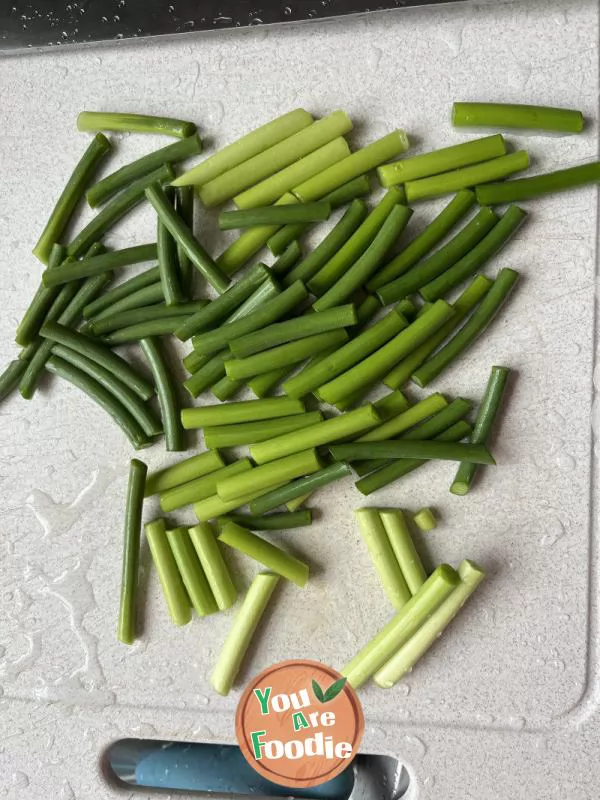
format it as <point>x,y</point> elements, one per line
<point>70,197</point>
<point>184,205</point>
<point>87,267</point>
<point>131,550</point>
<point>412,448</point>
<point>10,377</point>
<point>299,487</point>
<point>116,209</point>
<point>166,391</point>
<point>486,414</point>
<point>107,187</point>
<point>122,291</point>
<point>483,251</point>
<point>149,313</point>
<point>290,256</point>
<point>461,244</point>
<point>471,331</point>
<point>104,399</point>
<point>138,409</point>
<point>168,261</point>
<point>33,318</point>
<point>525,188</point>
<point>186,239</point>
<point>274,215</point>
<point>270,522</point>
<point>225,304</point>
<point>101,355</point>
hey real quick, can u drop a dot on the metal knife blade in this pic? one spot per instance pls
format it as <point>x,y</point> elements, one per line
<point>26,24</point>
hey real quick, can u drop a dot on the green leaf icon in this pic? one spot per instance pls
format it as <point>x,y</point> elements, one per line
<point>318,692</point>
<point>334,689</point>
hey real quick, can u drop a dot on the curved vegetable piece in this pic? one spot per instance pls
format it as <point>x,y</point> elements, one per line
<point>167,395</point>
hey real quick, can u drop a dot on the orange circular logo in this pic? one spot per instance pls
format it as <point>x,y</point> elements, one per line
<point>299,723</point>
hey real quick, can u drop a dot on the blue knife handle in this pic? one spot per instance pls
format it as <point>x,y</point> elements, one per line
<point>223,769</point>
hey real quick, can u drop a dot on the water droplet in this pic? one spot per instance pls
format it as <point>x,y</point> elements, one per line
<point>222,20</point>
<point>554,532</point>
<point>417,746</point>
<point>287,11</point>
<point>103,19</point>
<point>119,36</point>
<point>20,780</point>
<point>116,18</point>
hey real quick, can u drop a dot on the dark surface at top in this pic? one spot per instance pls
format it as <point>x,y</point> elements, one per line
<point>42,23</point>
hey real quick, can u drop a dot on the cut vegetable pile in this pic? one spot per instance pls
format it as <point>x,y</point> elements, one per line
<point>357,312</point>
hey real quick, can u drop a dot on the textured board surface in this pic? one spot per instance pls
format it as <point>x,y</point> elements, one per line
<point>510,694</point>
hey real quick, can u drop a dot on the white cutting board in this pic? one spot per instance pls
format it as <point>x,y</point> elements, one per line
<point>507,704</point>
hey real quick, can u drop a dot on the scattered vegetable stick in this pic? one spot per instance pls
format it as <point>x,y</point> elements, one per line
<point>379,363</point>
<point>330,245</point>
<point>75,270</point>
<point>131,550</point>
<point>293,329</point>
<point>339,197</point>
<point>100,354</point>
<point>318,373</point>
<point>270,522</point>
<point>394,470</point>
<point>160,326</point>
<point>425,520</point>
<point>274,215</point>
<point>268,190</point>
<point>106,188</point>
<point>183,472</point>
<point>517,116</point>
<point>263,385</point>
<point>250,242</point>
<point>463,305</point>
<point>141,412</point>
<point>486,414</point>
<point>214,567</point>
<point>444,160</point>
<point>213,507</point>
<point>329,430</point>
<point>70,196</point>
<point>285,355</point>
<point>356,245</point>
<point>200,488</point>
<point>266,476</point>
<point>167,395</point>
<point>362,269</point>
<point>275,158</point>
<point>241,632</point>
<point>243,411</point>
<point>135,316</point>
<point>34,316</point>
<point>130,427</point>
<point>361,161</point>
<point>476,325</point>
<point>114,210</point>
<point>390,405</point>
<point>405,658</point>
<point>460,245</point>
<point>427,428</point>
<point>398,631</point>
<point>382,556</point>
<point>191,572</point>
<point>272,557</point>
<point>109,299</point>
<point>186,239</point>
<point>252,432</point>
<point>178,602</point>
<point>549,182</point>
<point>290,256</point>
<point>168,260</point>
<point>299,488</point>
<point>226,388</point>
<point>65,311</point>
<point>184,205</point>
<point>494,241</point>
<point>248,146</point>
<point>90,121</point>
<point>404,549</point>
<point>407,419</point>
<point>425,241</point>
<point>11,376</point>
<point>412,448</point>
<point>210,371</point>
<point>225,304</point>
<point>467,177</point>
